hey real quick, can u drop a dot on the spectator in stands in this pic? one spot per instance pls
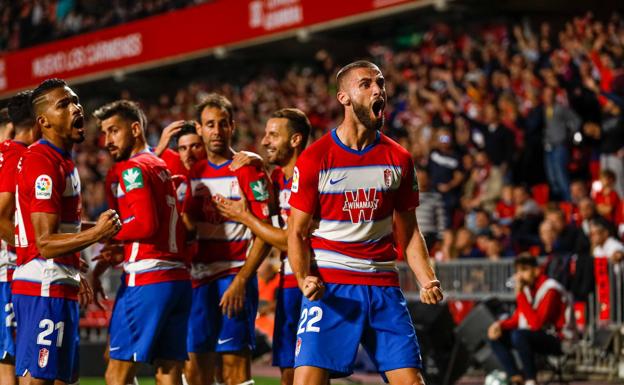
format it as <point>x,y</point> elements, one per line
<point>464,245</point>
<point>565,233</point>
<point>526,219</point>
<point>484,184</point>
<point>548,238</point>
<point>607,199</point>
<point>445,170</point>
<point>498,139</point>
<point>603,244</point>
<point>505,208</point>
<point>535,325</point>
<point>430,213</point>
<point>561,123</point>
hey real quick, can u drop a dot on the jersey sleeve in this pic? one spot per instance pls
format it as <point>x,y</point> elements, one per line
<point>304,193</point>
<point>8,170</point>
<point>173,161</point>
<point>142,221</point>
<point>408,190</point>
<point>112,187</point>
<point>255,185</point>
<point>44,179</point>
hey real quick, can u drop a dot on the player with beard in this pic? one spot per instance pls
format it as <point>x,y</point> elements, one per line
<point>225,289</point>
<point>47,283</point>
<point>348,188</point>
<point>11,151</point>
<point>285,136</point>
<point>155,297</point>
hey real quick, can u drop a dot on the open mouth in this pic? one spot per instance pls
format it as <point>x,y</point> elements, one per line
<point>78,122</point>
<point>378,108</point>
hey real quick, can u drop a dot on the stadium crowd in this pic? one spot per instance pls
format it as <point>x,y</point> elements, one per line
<point>30,22</point>
<point>518,135</point>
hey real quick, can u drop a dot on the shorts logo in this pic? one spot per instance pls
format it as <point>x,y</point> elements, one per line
<point>43,357</point>
<point>388,178</point>
<point>295,181</point>
<point>260,190</point>
<point>43,187</point>
<point>361,204</point>
<point>298,346</point>
<point>133,178</point>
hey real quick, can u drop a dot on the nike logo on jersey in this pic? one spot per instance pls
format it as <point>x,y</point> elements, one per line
<point>115,348</point>
<point>334,181</point>
<point>221,342</point>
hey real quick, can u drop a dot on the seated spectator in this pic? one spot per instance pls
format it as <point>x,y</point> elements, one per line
<point>535,325</point>
<point>548,238</point>
<point>505,208</point>
<point>430,214</point>
<point>604,245</point>
<point>524,227</point>
<point>483,186</point>
<point>464,246</point>
<point>494,250</point>
<point>565,233</point>
<point>607,199</point>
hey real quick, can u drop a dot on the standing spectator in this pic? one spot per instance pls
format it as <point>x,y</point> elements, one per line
<point>561,123</point>
<point>430,214</point>
<point>499,140</point>
<point>446,173</point>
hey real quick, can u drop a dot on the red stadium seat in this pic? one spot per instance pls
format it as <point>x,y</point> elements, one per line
<point>541,193</point>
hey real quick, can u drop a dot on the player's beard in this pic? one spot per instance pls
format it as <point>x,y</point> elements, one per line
<point>363,113</point>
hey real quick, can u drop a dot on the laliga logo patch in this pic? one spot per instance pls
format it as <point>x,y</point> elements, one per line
<point>43,357</point>
<point>295,181</point>
<point>298,346</point>
<point>43,187</point>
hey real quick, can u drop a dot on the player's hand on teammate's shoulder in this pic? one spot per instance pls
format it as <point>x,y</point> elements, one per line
<point>431,293</point>
<point>107,225</point>
<point>246,158</point>
<point>233,299</point>
<point>312,288</point>
<point>231,209</point>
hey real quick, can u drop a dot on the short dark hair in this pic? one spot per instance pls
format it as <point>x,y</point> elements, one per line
<point>342,73</point>
<point>525,260</point>
<point>601,223</point>
<point>43,88</point>
<point>20,110</point>
<point>188,128</point>
<point>4,116</point>
<point>216,101</point>
<point>126,109</point>
<point>298,122</point>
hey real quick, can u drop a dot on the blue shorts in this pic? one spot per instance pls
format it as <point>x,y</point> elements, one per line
<point>148,322</point>
<point>212,331</point>
<point>7,320</point>
<point>331,329</point>
<point>287,313</point>
<point>47,337</point>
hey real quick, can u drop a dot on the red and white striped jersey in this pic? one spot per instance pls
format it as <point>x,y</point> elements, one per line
<point>47,182</point>
<point>222,244</point>
<point>10,153</point>
<point>352,196</point>
<point>282,186</point>
<point>142,192</point>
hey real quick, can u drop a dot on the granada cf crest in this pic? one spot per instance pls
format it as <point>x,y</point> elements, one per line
<point>43,357</point>
<point>388,178</point>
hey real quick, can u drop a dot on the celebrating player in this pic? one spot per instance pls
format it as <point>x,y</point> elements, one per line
<point>348,187</point>
<point>285,137</point>
<point>11,151</point>
<point>154,302</point>
<point>47,282</point>
<point>225,292</point>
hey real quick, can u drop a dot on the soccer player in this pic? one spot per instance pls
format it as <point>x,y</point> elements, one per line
<point>285,136</point>
<point>47,283</point>
<point>11,151</point>
<point>151,309</point>
<point>347,189</point>
<point>225,291</point>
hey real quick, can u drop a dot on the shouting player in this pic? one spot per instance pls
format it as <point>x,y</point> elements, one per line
<point>11,151</point>
<point>225,291</point>
<point>285,136</point>
<point>155,299</point>
<point>347,189</point>
<point>47,282</point>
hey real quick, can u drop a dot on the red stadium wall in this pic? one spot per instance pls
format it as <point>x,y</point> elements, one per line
<point>177,36</point>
